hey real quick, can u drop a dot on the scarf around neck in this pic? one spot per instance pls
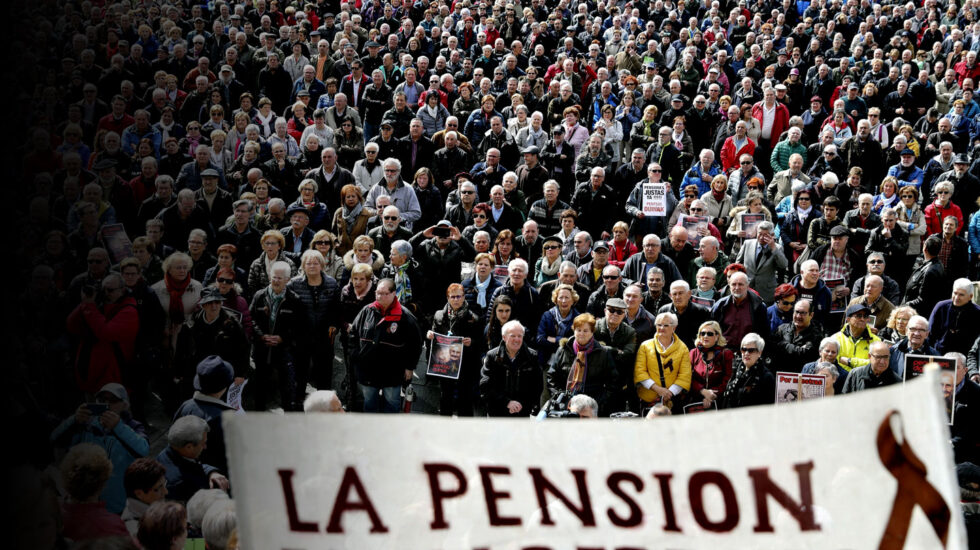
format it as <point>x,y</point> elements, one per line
<point>350,216</point>
<point>548,268</point>
<point>481,289</point>
<point>579,371</point>
<point>176,290</point>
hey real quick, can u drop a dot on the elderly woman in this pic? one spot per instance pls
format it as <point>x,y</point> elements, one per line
<point>719,202</point>
<point>363,252</point>
<point>621,247</point>
<point>430,198</point>
<point>939,209</point>
<point>481,222</point>
<point>350,221</point>
<point>781,310</point>
<point>260,272</point>
<point>324,242</point>
<point>711,364</point>
<point>575,134</point>
<point>546,268</point>
<point>752,382</point>
<point>480,286</point>
<point>407,274</point>
<point>433,115</point>
<point>753,205</point>
<point>556,323</point>
<point>320,293</point>
<point>178,293</point>
<point>663,365</point>
<point>144,250</point>
<point>85,470</point>
<point>582,365</point>
<point>226,281</point>
<point>348,140</point>
<point>319,215</point>
<point>614,132</point>
<point>226,260</point>
<point>888,196</point>
<point>897,326</point>
<point>456,319</point>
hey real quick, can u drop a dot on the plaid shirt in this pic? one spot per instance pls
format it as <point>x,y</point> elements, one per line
<point>945,252</point>
<point>835,268</point>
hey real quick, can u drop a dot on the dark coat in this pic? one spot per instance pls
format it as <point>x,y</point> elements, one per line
<point>225,338</point>
<point>184,476</point>
<point>209,409</point>
<point>381,350</point>
<point>747,387</point>
<point>927,285</point>
<point>597,211</point>
<point>291,324</point>
<point>503,380</point>
<point>863,378</point>
<point>441,267</point>
<point>601,378</point>
<point>793,350</point>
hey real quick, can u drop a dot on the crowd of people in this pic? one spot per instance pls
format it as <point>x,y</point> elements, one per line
<point>632,206</point>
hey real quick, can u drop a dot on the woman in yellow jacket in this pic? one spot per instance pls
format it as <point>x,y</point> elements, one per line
<point>663,365</point>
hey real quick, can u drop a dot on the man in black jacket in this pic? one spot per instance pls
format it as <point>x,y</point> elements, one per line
<point>689,316</point>
<point>214,377</point>
<point>798,342</point>
<point>280,322</point>
<point>510,380</point>
<point>741,312</point>
<point>385,344</point>
<point>928,283</point>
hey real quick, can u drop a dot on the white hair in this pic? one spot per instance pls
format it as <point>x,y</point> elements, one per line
<point>753,338</point>
<point>321,401</point>
<point>202,501</point>
<point>582,401</point>
<point>280,266</point>
<point>963,284</point>
<point>670,317</point>
<point>189,429</point>
<point>512,325</point>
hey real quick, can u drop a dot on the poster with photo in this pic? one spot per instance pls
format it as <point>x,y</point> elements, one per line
<point>838,305</point>
<point>500,273</point>
<point>117,242</point>
<point>915,366</point>
<point>445,356</point>
<point>695,408</point>
<point>749,222</point>
<point>702,301</point>
<point>693,224</point>
<point>792,386</point>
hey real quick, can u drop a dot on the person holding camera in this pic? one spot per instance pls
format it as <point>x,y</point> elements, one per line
<point>583,365</point>
<point>106,324</point>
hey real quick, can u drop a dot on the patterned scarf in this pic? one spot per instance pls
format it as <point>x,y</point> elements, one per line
<point>403,285</point>
<point>579,371</point>
<point>350,216</point>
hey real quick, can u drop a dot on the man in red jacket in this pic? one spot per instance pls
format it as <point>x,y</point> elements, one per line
<point>107,334</point>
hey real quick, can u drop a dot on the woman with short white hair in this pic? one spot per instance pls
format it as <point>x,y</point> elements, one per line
<point>752,382</point>
<point>663,365</point>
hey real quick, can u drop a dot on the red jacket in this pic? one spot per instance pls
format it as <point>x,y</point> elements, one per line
<point>101,335</point>
<point>619,254</point>
<point>729,156</point>
<point>779,125</point>
<point>962,72</point>
<point>935,216</point>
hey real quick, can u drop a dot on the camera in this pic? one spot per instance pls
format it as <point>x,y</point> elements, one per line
<point>441,232</point>
<point>557,407</point>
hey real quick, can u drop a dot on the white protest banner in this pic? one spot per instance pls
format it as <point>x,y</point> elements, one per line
<point>794,387</point>
<point>654,199</point>
<point>759,478</point>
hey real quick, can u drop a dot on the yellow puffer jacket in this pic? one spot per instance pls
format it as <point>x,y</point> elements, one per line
<point>857,350</point>
<point>676,360</point>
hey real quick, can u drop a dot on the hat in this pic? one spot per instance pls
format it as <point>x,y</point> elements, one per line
<point>213,374</point>
<point>328,15</point>
<point>226,69</point>
<point>209,295</point>
<point>558,130</point>
<point>816,98</point>
<point>302,93</point>
<point>444,223</point>
<point>385,123</point>
<point>616,302</point>
<point>961,158</point>
<point>552,238</point>
<point>780,87</point>
<point>853,86</point>
<point>677,97</point>
<point>372,44</point>
<point>531,150</point>
<point>713,70</point>
<point>839,231</point>
<point>104,164</point>
<point>600,244</point>
<point>908,151</point>
<point>315,32</point>
<point>235,16</point>
<point>116,390</point>
<point>857,308</point>
<point>198,20</point>
<point>210,173</point>
<point>794,71</point>
<point>782,52</point>
<point>297,208</point>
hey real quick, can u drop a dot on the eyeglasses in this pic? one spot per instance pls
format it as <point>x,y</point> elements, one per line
<point>552,247</point>
<point>391,218</point>
<point>466,192</point>
<point>479,217</point>
<point>801,199</point>
<point>226,281</point>
<point>749,350</point>
<point>615,311</point>
<point>655,170</point>
<point>687,196</point>
<point>746,162</point>
<point>697,209</point>
<point>610,277</point>
<point>908,196</point>
<point>664,325</point>
<point>871,115</point>
<point>876,356</point>
<point>860,315</point>
<point>708,333</point>
<point>942,192</point>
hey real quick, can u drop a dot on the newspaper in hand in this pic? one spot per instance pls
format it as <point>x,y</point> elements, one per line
<point>791,386</point>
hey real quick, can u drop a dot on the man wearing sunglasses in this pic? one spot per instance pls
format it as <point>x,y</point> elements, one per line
<point>874,373</point>
<point>876,264</point>
<point>620,338</point>
<point>612,287</point>
<point>855,340</point>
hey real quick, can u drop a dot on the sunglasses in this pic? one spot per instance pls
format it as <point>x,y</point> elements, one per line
<point>787,302</point>
<point>227,281</point>
<point>327,243</point>
<point>552,247</point>
<point>615,311</point>
<point>479,217</point>
<point>876,261</point>
<point>610,277</point>
<point>749,350</point>
<point>746,163</point>
<point>466,192</point>
<point>708,333</point>
<point>391,218</point>
<point>654,170</point>
<point>801,199</point>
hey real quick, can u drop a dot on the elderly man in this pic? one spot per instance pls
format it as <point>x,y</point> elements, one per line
<point>702,172</point>
<point>782,153</point>
<point>863,221</point>
<point>190,176</point>
<point>741,312</point>
<point>502,215</point>
<point>638,265</point>
<point>279,336</point>
<point>449,160</point>
<point>838,262</point>
<point>876,266</point>
<point>782,181</point>
<point>440,251</point>
<point>547,211</point>
<point>568,274</point>
<point>186,475</point>
<point>389,231</point>
<point>407,274</point>
<point>798,342</point>
<point>214,377</point>
<point>966,437</point>
<point>709,255</point>
<point>763,258</point>
<point>955,323</point>
<point>323,401</point>
<point>526,303</point>
<point>510,380</point>
<point>916,343</point>
<point>612,287</point>
<point>402,195</point>
<point>874,374</point>
<point>854,340</point>
<point>642,224</point>
<point>590,273</point>
<point>385,345</point>
<point>638,316</point>
<point>613,332</point>
<point>596,204</point>
<point>340,111</point>
<point>330,178</point>
<point>880,307</point>
<point>580,246</point>
<point>690,316</point>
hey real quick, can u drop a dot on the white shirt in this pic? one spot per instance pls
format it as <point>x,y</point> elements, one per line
<point>768,119</point>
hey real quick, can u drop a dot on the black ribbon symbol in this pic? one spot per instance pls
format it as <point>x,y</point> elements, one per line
<point>913,489</point>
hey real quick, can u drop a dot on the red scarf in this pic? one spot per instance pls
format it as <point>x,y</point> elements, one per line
<point>176,290</point>
<point>718,195</point>
<point>393,315</point>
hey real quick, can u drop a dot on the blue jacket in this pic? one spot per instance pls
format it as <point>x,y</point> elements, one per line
<point>209,409</point>
<point>693,177</point>
<point>777,317</point>
<point>912,176</point>
<point>184,476</point>
<point>952,328</point>
<point>124,444</point>
<point>477,125</point>
<point>900,350</point>
<point>552,325</point>
<point>823,299</point>
<point>131,139</point>
<point>973,234</point>
<point>471,293</point>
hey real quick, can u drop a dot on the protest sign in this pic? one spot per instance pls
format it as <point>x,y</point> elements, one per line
<point>791,386</point>
<point>745,478</point>
<point>915,365</point>
<point>445,355</point>
<point>500,273</point>
<point>702,301</point>
<point>694,224</point>
<point>695,408</point>
<point>749,222</point>
<point>654,199</point>
<point>837,304</point>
